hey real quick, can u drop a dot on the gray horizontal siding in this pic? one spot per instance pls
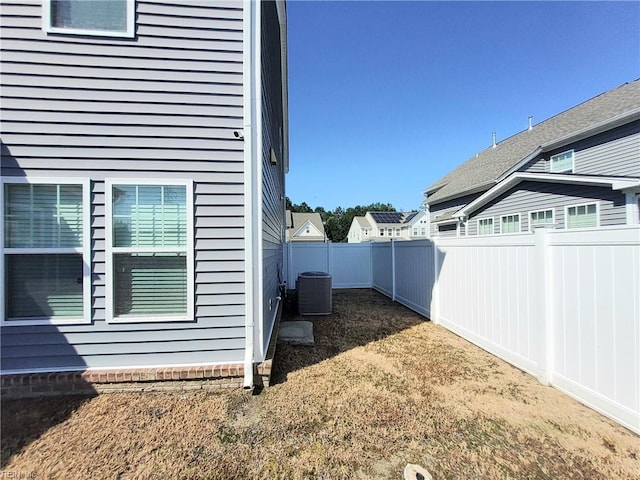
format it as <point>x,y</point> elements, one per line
<point>616,152</point>
<point>165,106</point>
<point>534,196</point>
<point>273,175</point>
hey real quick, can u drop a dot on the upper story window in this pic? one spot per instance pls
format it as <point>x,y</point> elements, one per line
<point>112,18</point>
<point>562,163</point>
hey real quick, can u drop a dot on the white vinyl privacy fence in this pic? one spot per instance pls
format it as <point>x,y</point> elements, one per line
<point>561,305</point>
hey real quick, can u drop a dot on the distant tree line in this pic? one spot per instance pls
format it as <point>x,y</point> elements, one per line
<point>337,222</point>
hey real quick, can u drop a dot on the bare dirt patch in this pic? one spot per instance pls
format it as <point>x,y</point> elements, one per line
<point>381,388</point>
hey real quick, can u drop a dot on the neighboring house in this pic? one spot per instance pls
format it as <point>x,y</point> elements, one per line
<point>580,168</point>
<point>144,148</point>
<point>305,227</point>
<point>386,226</point>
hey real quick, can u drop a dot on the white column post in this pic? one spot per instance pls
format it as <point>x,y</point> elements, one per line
<point>633,215</point>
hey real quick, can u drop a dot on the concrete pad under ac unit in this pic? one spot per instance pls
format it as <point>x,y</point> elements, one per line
<point>297,332</point>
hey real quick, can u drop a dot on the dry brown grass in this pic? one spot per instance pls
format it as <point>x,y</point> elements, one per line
<point>380,389</point>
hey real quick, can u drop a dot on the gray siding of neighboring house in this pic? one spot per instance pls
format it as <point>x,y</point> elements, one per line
<point>273,175</point>
<point>616,152</point>
<point>534,196</point>
<point>179,99</point>
<point>449,206</point>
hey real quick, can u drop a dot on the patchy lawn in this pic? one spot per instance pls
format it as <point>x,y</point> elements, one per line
<point>381,388</point>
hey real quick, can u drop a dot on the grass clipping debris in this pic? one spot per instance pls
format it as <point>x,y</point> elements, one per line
<point>380,388</point>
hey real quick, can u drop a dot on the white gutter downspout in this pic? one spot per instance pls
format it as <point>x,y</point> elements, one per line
<point>252,186</point>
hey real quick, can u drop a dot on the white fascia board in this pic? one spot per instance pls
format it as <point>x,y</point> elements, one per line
<point>446,222</point>
<point>615,183</point>
<point>284,54</point>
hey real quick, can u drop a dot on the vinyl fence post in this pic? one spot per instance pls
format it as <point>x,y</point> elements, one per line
<point>435,291</point>
<point>329,258</point>
<point>393,270</point>
<point>292,268</point>
<point>543,295</point>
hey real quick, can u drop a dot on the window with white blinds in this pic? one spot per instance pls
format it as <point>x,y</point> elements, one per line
<point>562,163</point>
<point>45,252</point>
<point>149,252</point>
<point>114,18</point>
<point>582,216</point>
<point>485,226</point>
<point>510,223</point>
<point>541,217</point>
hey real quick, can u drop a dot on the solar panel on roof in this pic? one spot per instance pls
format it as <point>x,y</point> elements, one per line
<point>387,217</point>
<point>410,216</point>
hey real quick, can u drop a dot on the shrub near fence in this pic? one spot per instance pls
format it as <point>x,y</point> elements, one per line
<point>561,305</point>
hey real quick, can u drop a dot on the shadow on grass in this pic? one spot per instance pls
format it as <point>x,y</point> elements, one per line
<point>359,317</point>
<point>23,421</point>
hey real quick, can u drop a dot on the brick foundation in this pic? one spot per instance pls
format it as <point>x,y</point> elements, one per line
<point>211,377</point>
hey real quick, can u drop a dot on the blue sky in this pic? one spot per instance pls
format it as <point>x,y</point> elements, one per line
<point>387,97</point>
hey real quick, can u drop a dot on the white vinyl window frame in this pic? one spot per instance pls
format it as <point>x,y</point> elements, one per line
<point>129,32</point>
<point>486,221</point>
<point>187,249</point>
<point>84,250</point>
<point>560,157</point>
<point>577,206</point>
<point>538,212</point>
<point>516,220</point>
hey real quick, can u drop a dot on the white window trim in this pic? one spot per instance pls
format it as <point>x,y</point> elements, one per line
<point>502,217</point>
<point>110,250</point>
<point>553,217</point>
<point>573,162</point>
<point>128,33</point>
<point>566,215</point>
<point>493,227</point>
<point>85,250</point>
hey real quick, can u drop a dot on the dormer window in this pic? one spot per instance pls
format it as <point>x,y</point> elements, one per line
<point>111,18</point>
<point>562,163</point>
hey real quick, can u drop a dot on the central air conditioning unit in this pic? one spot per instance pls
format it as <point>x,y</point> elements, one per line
<point>314,293</point>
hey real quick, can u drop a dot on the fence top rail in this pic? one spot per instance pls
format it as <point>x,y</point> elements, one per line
<point>515,240</point>
<point>611,236</point>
